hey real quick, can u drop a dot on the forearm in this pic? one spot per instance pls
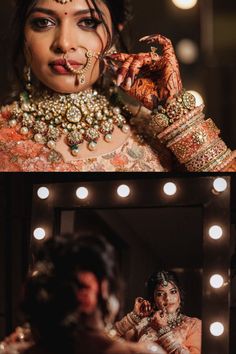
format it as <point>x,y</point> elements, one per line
<point>126,324</point>
<point>173,346</point>
<point>194,140</point>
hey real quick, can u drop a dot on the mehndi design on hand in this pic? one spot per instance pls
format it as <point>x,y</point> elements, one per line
<point>149,77</point>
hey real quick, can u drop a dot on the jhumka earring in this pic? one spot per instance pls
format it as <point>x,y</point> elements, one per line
<point>27,76</point>
<point>80,74</point>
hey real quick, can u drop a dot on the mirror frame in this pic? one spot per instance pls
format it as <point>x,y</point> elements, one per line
<point>147,191</point>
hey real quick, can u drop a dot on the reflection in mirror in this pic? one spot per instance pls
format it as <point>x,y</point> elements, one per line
<point>150,230</point>
<point>147,239</point>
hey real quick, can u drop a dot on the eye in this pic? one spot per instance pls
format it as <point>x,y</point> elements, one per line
<point>42,23</point>
<point>173,291</point>
<point>90,22</point>
<point>159,294</point>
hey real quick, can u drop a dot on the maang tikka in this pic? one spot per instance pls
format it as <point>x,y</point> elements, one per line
<point>63,1</point>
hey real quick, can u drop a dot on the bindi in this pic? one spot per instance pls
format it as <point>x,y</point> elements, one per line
<point>65,13</point>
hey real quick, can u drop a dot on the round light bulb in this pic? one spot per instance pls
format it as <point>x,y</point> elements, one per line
<point>216,329</point>
<point>43,192</point>
<point>216,281</point>
<point>220,184</point>
<point>170,188</point>
<point>198,97</point>
<point>82,193</point>
<point>184,4</point>
<point>187,51</point>
<point>39,233</point>
<point>123,191</point>
<point>215,232</point>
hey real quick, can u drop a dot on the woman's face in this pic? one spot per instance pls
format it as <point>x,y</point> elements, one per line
<point>88,291</point>
<point>53,29</point>
<point>167,297</point>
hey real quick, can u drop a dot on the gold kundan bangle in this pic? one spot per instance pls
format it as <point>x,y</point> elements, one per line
<point>182,127</point>
<point>193,139</point>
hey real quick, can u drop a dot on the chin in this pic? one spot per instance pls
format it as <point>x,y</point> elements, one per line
<point>67,85</point>
<point>172,310</point>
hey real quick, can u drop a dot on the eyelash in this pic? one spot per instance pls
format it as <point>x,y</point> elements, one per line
<point>95,22</point>
<point>41,23</point>
<point>172,292</point>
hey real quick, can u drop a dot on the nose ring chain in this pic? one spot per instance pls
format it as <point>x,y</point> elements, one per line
<point>80,74</point>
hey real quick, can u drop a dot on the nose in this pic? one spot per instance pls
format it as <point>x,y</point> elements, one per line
<point>167,297</point>
<point>65,41</point>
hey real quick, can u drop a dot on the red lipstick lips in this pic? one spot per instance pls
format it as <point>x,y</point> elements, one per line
<point>59,66</point>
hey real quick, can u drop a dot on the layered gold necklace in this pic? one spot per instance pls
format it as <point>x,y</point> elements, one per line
<point>84,116</point>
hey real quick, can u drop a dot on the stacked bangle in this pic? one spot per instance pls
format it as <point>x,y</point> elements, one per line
<point>182,127</point>
<point>129,321</point>
<point>168,342</point>
<point>133,318</point>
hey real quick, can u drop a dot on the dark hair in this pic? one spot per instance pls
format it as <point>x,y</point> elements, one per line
<point>120,10</point>
<point>50,301</point>
<point>159,278</point>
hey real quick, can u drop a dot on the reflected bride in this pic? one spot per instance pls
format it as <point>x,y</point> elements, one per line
<point>160,319</point>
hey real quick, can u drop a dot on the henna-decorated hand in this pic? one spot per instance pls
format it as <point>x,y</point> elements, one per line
<point>160,319</point>
<point>142,307</point>
<point>150,78</point>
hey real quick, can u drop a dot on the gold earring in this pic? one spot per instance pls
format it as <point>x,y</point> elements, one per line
<point>27,76</point>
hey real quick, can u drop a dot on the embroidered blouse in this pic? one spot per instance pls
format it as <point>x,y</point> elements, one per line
<point>188,335</point>
<point>18,153</point>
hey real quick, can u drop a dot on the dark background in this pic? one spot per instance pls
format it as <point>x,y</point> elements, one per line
<point>211,24</point>
<point>137,254</point>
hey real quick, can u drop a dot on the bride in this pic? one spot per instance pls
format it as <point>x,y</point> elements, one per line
<point>70,108</point>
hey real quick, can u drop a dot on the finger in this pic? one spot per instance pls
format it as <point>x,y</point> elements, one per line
<point>146,306</point>
<point>145,38</point>
<point>163,41</point>
<point>166,44</point>
<point>157,38</point>
<point>148,38</point>
<point>122,72</point>
<point>135,68</point>
<point>118,56</point>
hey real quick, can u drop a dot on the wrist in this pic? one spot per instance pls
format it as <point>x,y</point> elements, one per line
<point>172,111</point>
<point>168,342</point>
<point>194,140</point>
<point>135,318</point>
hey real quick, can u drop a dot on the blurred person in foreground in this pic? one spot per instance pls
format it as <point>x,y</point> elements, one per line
<point>71,298</point>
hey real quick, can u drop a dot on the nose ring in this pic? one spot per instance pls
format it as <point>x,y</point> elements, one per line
<point>80,74</point>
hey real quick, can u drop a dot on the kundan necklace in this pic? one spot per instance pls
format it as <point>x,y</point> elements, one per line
<point>83,116</point>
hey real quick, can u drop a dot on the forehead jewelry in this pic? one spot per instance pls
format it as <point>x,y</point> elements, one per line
<point>80,74</point>
<point>163,279</point>
<point>63,1</point>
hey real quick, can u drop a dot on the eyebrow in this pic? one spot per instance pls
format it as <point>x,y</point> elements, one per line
<point>162,291</point>
<point>53,13</point>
